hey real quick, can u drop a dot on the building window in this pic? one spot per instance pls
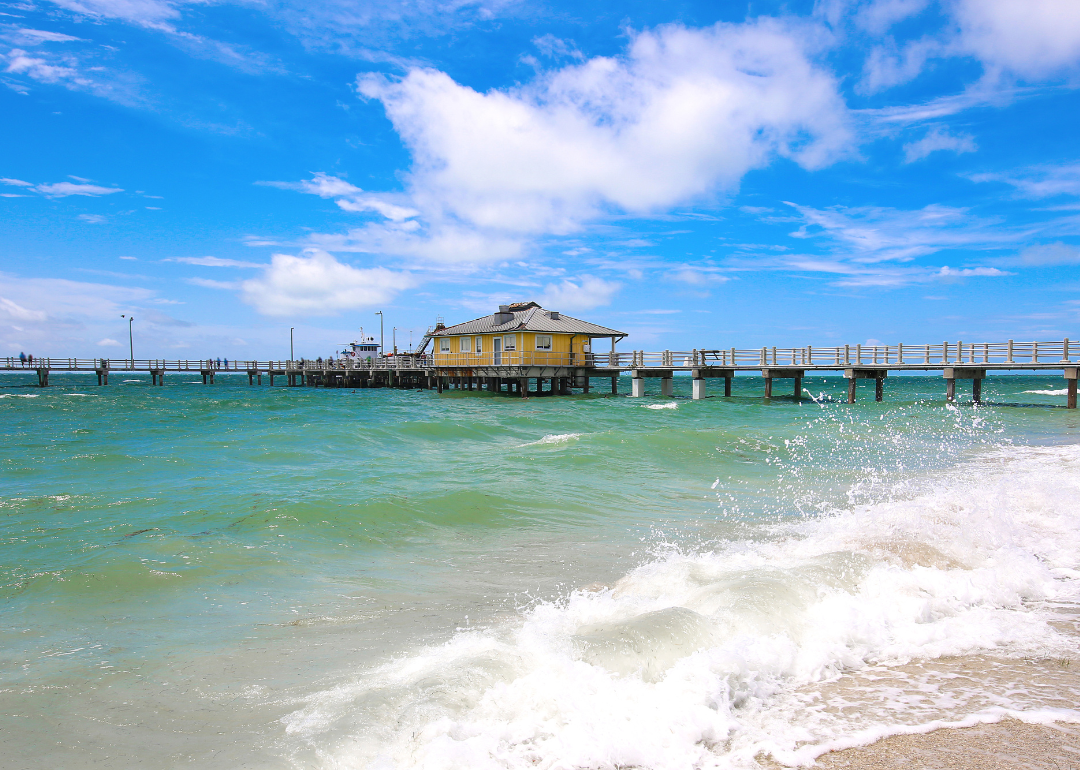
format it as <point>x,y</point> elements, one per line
<point>510,342</point>
<point>466,344</point>
<point>444,345</point>
<point>543,342</point>
<point>479,344</point>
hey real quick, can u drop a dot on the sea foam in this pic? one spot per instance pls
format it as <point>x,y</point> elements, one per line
<point>810,636</point>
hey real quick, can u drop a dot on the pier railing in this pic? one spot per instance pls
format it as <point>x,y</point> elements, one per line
<point>933,356</point>
<point>945,353</point>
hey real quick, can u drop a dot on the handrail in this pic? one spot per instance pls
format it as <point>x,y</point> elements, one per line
<point>1046,353</point>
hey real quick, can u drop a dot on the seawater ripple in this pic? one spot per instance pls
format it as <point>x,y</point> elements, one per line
<point>394,579</point>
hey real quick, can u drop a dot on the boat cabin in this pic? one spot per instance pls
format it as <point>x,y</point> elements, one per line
<point>520,334</point>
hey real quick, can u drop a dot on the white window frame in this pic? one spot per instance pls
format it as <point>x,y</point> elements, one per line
<point>546,338</point>
<point>464,344</point>
<point>444,344</point>
<point>510,342</point>
<point>479,344</point>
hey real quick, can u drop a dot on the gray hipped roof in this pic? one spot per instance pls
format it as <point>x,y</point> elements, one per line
<point>528,317</point>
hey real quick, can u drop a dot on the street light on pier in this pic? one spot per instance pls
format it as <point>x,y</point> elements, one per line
<point>395,340</point>
<point>131,339</point>
<point>382,350</point>
<point>291,356</point>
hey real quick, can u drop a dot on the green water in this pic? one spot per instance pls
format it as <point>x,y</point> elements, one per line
<point>182,565</point>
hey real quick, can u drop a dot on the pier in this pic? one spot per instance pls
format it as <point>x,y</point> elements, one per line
<point>531,373</point>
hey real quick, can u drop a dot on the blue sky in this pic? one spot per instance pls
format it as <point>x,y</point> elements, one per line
<point>697,174</point>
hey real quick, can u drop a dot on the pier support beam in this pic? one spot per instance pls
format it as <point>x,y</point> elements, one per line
<point>102,376</point>
<point>667,386</point>
<point>637,387</point>
<point>523,387</point>
<point>43,377</point>
<point>727,387</point>
<point>699,388</point>
<point>614,386</point>
<point>157,376</point>
<point>854,375</point>
<point>952,374</point>
<point>1070,384</point>
<point>783,374</point>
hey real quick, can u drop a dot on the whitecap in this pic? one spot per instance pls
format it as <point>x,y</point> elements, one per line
<point>668,405</point>
<point>19,395</point>
<point>1062,392</point>
<point>783,647</point>
<point>554,438</point>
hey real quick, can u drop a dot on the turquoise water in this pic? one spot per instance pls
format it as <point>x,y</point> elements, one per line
<point>233,576</point>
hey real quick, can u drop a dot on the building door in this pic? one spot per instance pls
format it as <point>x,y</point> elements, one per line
<point>497,351</point>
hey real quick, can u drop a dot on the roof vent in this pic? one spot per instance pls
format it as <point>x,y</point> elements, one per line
<point>504,308</point>
<point>553,315</point>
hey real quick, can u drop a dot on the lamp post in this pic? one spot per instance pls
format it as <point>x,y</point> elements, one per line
<point>291,343</point>
<point>381,349</point>
<point>131,339</point>
<point>395,340</point>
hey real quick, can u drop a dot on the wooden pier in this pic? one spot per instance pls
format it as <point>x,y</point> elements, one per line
<point>564,373</point>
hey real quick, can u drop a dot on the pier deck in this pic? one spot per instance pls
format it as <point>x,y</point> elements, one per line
<point>563,374</point>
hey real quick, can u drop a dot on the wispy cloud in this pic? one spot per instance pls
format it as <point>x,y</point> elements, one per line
<point>216,262</point>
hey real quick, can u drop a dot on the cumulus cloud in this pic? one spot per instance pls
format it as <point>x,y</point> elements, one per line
<point>317,284</point>
<point>108,342</point>
<point>1032,39</point>
<point>684,113</point>
<point>938,139</point>
<point>582,293</point>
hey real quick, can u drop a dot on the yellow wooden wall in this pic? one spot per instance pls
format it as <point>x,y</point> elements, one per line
<point>560,344</point>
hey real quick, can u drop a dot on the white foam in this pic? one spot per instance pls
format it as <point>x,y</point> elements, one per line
<point>554,438</point>
<point>711,658</point>
<point>1062,392</point>
<point>667,405</point>
<point>84,395</point>
<point>19,395</point>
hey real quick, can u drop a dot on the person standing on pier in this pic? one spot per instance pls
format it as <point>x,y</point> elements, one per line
<point>22,358</point>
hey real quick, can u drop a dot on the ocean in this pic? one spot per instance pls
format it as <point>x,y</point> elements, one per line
<point>230,576</point>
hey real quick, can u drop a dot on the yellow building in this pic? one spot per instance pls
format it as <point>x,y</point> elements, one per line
<point>521,334</point>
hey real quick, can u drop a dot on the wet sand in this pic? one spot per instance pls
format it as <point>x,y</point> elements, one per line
<point>1006,745</point>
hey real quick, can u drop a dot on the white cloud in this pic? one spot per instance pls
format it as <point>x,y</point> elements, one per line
<point>208,283</point>
<point>1050,254</point>
<point>15,182</point>
<point>1039,181</point>
<point>877,17</point>
<point>64,189</point>
<point>696,276</point>
<point>871,234</point>
<point>317,284</point>
<point>214,262</point>
<point>148,13</point>
<point>108,342</point>
<point>582,293</point>
<point>15,312</point>
<point>1031,39</point>
<point>938,139</point>
<point>94,219</point>
<point>33,36</point>
<point>683,114</point>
